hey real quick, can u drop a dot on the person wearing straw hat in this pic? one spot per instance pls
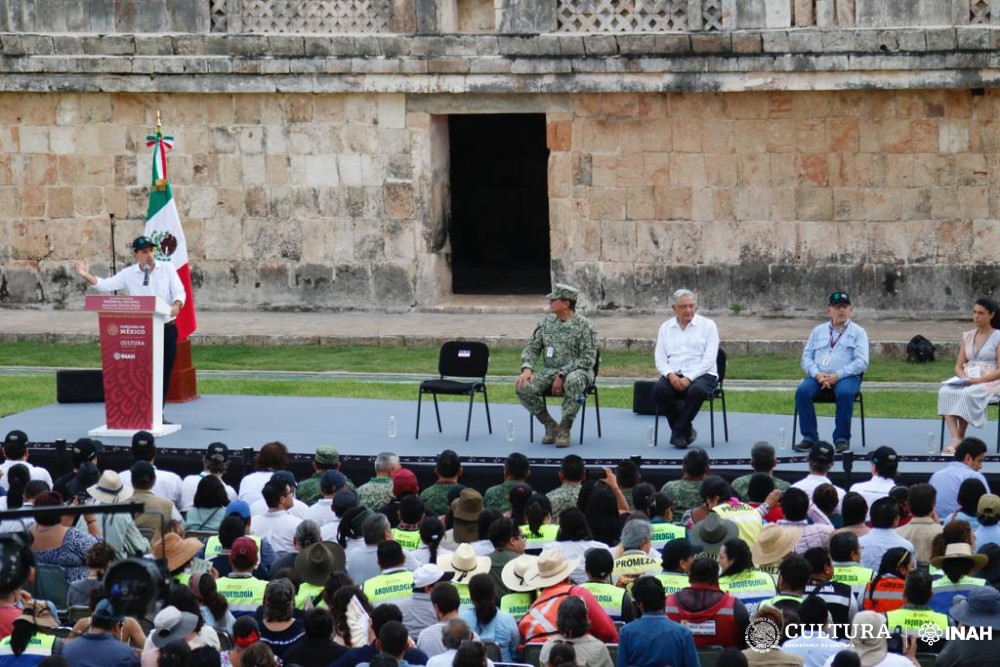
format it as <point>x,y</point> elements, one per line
<point>118,530</point>
<point>178,552</point>
<point>551,574</point>
<point>313,566</point>
<point>981,610</point>
<point>26,646</point>
<point>958,563</point>
<point>872,646</point>
<point>464,564</point>
<point>522,593</point>
<point>774,543</point>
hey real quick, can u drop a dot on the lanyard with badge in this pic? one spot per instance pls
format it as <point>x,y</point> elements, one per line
<point>833,344</point>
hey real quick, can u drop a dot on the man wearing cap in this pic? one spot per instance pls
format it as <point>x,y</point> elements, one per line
<point>100,646</point>
<point>820,460</point>
<point>330,482</point>
<point>84,450</point>
<point>168,484</point>
<point>147,277</point>
<point>326,459</point>
<point>15,450</point>
<point>885,464</point>
<point>240,511</point>
<point>418,610</point>
<point>216,463</point>
<point>686,349</point>
<point>568,345</point>
<point>835,356</point>
<point>242,590</point>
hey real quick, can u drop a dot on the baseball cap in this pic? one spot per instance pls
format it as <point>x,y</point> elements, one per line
<point>675,551</point>
<point>404,481</point>
<point>840,297</point>
<point>15,444</point>
<point>822,452</point>
<point>332,480</point>
<point>84,450</point>
<point>287,477</point>
<point>217,451</point>
<point>141,242</point>
<point>884,455</point>
<point>240,508</point>
<point>243,547</point>
<point>989,505</point>
<point>143,442</point>
<point>430,574</point>
<point>327,456</point>
<point>105,611</point>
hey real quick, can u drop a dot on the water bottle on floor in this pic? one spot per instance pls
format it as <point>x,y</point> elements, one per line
<point>931,445</point>
<point>510,430</point>
<point>392,427</point>
<point>782,443</point>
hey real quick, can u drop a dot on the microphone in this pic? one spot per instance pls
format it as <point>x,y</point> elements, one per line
<point>145,276</point>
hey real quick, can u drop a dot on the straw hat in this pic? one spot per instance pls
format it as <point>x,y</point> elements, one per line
<point>514,574</point>
<point>773,543</point>
<point>178,550</point>
<point>869,646</point>
<point>961,550</point>
<point>315,563</point>
<point>464,563</point>
<point>551,568</point>
<point>109,489</point>
<point>712,532</point>
<point>39,613</point>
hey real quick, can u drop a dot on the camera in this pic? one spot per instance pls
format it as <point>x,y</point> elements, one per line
<point>895,643</point>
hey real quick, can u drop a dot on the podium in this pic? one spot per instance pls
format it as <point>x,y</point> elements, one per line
<point>131,333</point>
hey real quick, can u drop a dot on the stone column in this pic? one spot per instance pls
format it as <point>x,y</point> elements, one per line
<point>804,15</point>
<point>779,13</point>
<point>845,13</point>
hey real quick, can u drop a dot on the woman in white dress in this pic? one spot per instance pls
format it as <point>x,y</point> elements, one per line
<point>965,404</point>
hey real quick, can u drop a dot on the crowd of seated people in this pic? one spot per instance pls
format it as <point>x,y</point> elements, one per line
<point>592,572</point>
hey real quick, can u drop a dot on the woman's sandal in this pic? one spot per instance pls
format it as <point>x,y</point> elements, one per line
<point>950,449</point>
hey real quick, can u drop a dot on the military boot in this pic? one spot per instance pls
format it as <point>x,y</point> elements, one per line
<point>550,427</point>
<point>562,434</point>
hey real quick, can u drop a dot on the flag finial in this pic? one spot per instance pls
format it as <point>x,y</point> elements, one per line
<point>159,125</point>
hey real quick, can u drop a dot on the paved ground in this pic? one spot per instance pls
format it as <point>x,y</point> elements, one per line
<point>502,321</point>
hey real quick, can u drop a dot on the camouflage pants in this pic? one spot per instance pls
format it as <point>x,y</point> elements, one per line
<point>532,394</point>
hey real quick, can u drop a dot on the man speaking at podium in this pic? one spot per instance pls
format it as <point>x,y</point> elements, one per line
<point>147,277</point>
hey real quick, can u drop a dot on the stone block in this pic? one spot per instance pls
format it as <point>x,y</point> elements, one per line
<point>974,38</point>
<point>805,41</point>
<point>776,41</point>
<point>600,45</point>
<point>711,42</point>
<point>747,42</point>
<point>672,44</point>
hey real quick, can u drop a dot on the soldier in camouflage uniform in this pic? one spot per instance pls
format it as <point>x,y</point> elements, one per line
<point>571,474</point>
<point>686,491</point>
<point>568,345</point>
<point>326,458</point>
<point>515,471</point>
<point>447,469</point>
<point>762,459</point>
<point>376,493</point>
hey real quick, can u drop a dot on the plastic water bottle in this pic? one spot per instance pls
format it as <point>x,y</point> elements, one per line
<point>650,436</point>
<point>392,427</point>
<point>782,443</point>
<point>510,430</point>
<point>931,445</point>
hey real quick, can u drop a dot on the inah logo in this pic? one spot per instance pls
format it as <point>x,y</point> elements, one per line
<point>762,634</point>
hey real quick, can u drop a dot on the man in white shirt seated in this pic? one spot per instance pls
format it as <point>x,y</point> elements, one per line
<point>15,450</point>
<point>686,348</point>
<point>885,463</point>
<point>298,508</point>
<point>276,524</point>
<point>322,512</point>
<point>820,461</point>
<point>216,463</point>
<point>168,484</point>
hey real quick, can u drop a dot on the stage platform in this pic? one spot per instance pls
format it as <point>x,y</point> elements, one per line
<point>358,428</point>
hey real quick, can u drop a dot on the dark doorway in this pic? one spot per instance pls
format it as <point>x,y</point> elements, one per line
<point>499,204</point>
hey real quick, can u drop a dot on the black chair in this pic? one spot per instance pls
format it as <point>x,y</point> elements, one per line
<point>590,390</point>
<point>50,584</point>
<point>718,393</point>
<point>827,396</point>
<point>991,403</point>
<point>458,359</point>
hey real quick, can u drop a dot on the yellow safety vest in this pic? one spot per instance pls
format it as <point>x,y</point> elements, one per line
<point>746,517</point>
<point>39,645</point>
<point>213,547</point>
<point>408,539</point>
<point>244,594</point>
<point>390,586</point>
<point>516,604</point>
<point>608,596</point>
<point>781,598</point>
<point>546,533</point>
<point>749,586</point>
<point>464,599</point>
<point>855,576</point>
<point>307,592</point>
<point>673,581</point>
<point>911,620</point>
<point>663,532</point>
<point>636,564</point>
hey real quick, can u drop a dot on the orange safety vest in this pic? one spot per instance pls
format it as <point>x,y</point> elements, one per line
<point>540,622</point>
<point>887,595</point>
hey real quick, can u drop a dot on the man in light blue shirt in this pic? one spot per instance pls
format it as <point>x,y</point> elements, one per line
<point>883,536</point>
<point>969,457</point>
<point>834,357</point>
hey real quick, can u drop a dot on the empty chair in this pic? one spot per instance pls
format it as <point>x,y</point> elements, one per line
<point>459,359</point>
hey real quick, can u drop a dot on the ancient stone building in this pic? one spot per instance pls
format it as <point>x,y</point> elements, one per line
<point>385,154</point>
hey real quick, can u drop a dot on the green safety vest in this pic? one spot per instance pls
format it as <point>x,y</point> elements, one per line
<point>855,576</point>
<point>749,586</point>
<point>673,581</point>
<point>244,594</point>
<point>408,539</point>
<point>464,599</point>
<point>183,578</point>
<point>307,592</point>
<point>663,532</point>
<point>546,533</point>
<point>608,596</point>
<point>635,564</point>
<point>516,604</point>
<point>213,547</point>
<point>40,644</point>
<point>390,586</point>
<point>781,598</point>
<point>911,620</point>
<point>746,517</point>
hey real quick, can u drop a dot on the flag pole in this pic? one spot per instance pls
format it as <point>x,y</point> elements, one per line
<point>114,267</point>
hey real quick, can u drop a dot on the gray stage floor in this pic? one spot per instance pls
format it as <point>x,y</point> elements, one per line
<point>359,428</point>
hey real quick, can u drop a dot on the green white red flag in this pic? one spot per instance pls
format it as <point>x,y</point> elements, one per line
<point>163,227</point>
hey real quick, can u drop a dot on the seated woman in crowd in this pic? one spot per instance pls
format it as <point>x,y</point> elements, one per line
<point>487,621</point>
<point>964,404</point>
<point>279,629</point>
<point>739,578</point>
<point>57,544</point>
<point>969,493</point>
<point>574,628</point>
<point>99,558</point>
<point>885,591</point>
<point>209,508</point>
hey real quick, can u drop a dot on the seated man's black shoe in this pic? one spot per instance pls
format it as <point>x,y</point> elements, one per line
<point>678,440</point>
<point>842,446</point>
<point>803,446</point>
<point>692,436</point>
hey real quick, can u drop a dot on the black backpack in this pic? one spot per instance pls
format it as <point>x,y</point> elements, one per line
<point>920,350</point>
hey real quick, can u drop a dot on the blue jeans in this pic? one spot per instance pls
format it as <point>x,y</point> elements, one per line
<point>845,390</point>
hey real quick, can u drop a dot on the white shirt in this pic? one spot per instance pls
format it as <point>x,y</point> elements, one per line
<point>447,658</point>
<point>298,510</point>
<point>34,471</point>
<point>322,513</point>
<point>811,481</point>
<point>189,486</point>
<point>875,488</point>
<point>163,283</point>
<point>690,351</point>
<point>814,650</point>
<point>278,527</point>
<point>16,525</point>
<point>252,484</point>
<point>167,484</point>
<point>328,531</point>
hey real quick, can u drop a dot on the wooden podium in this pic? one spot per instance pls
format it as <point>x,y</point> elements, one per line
<point>131,333</point>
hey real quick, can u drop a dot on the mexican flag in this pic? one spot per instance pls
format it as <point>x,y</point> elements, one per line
<point>163,227</point>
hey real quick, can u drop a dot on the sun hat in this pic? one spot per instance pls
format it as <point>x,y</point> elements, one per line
<point>514,574</point>
<point>468,506</point>
<point>170,625</point>
<point>980,608</point>
<point>870,646</point>
<point>712,532</point>
<point>315,563</point>
<point>109,489</point>
<point>961,550</point>
<point>39,613</point>
<point>178,550</point>
<point>551,568</point>
<point>464,563</point>
<point>773,543</point>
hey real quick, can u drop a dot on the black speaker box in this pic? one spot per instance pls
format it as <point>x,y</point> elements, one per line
<point>642,398</point>
<point>82,386</point>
